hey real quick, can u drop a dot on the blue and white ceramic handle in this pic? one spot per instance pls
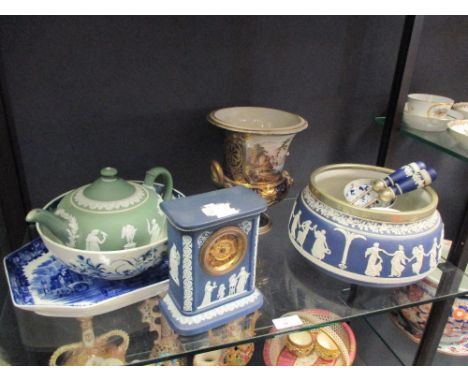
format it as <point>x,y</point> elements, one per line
<point>418,180</point>
<point>401,175</point>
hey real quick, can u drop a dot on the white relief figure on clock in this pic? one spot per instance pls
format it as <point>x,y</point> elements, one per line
<point>295,223</point>
<point>232,284</point>
<point>174,262</point>
<point>221,292</point>
<point>320,247</point>
<point>153,230</point>
<point>209,287</point>
<point>242,278</point>
<point>93,242</point>
<point>374,263</point>
<point>128,233</point>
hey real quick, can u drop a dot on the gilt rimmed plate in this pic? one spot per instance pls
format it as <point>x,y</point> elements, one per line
<point>40,283</point>
<point>457,349</point>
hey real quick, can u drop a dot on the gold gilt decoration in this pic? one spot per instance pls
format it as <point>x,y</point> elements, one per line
<point>272,192</point>
<point>166,341</point>
<point>235,155</point>
<point>223,251</point>
<point>108,349</point>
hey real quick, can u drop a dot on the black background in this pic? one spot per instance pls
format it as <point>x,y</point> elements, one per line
<point>133,92</point>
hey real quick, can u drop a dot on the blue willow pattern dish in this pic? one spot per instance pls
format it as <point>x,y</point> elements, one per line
<point>41,283</point>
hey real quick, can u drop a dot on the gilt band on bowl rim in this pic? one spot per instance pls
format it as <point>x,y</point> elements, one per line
<point>367,213</point>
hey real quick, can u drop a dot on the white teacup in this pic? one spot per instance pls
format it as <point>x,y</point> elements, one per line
<point>429,105</point>
<point>462,107</point>
<point>459,129</point>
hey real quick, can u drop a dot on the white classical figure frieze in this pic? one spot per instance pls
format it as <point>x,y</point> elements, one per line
<point>237,285</point>
<point>153,229</point>
<point>398,261</point>
<point>349,237</point>
<point>187,276</point>
<point>209,287</point>
<point>373,255</point>
<point>418,254</point>
<point>174,262</point>
<point>242,278</point>
<point>212,313</point>
<point>374,260</point>
<point>320,247</point>
<point>137,197</point>
<point>221,292</point>
<point>95,239</point>
<point>73,228</point>
<point>304,229</point>
<point>434,253</point>
<point>128,233</point>
<point>296,221</point>
<point>232,285</point>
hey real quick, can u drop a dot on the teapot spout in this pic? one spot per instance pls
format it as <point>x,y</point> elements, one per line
<point>57,225</point>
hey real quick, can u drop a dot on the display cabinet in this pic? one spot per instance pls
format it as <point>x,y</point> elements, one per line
<point>137,334</point>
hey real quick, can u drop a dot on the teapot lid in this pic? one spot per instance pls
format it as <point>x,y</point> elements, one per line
<point>109,192</point>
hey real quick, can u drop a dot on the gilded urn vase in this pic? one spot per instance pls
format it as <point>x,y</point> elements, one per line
<point>256,146</point>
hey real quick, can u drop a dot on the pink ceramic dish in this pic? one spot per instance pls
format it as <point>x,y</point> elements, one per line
<point>276,354</point>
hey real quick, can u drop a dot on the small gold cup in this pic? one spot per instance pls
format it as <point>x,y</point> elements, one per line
<point>326,348</point>
<point>300,344</point>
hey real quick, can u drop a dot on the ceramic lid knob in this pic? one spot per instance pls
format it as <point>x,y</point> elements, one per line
<point>109,172</point>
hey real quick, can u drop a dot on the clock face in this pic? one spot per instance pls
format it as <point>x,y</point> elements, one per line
<point>223,251</point>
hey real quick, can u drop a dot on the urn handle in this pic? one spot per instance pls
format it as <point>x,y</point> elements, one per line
<point>153,174</point>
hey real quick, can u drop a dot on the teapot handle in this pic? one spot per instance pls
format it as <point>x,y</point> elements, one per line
<point>153,174</point>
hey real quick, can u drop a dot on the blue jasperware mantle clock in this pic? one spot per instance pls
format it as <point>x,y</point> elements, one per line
<point>212,243</point>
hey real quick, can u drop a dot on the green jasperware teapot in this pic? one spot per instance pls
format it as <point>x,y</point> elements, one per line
<point>109,214</point>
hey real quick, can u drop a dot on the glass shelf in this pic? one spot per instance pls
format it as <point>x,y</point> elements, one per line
<point>287,280</point>
<point>402,344</point>
<point>373,350</point>
<point>443,141</point>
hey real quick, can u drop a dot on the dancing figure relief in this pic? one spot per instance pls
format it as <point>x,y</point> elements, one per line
<point>374,262</point>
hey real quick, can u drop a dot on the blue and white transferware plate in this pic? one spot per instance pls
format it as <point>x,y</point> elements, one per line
<point>40,283</point>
